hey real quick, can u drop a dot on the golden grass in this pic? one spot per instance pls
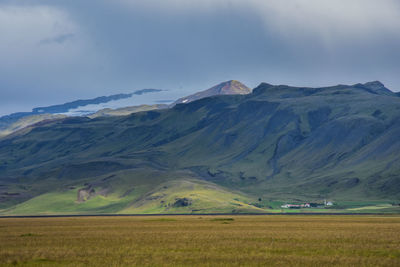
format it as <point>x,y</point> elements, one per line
<point>201,241</point>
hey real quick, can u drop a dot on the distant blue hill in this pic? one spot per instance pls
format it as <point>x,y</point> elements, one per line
<point>62,108</point>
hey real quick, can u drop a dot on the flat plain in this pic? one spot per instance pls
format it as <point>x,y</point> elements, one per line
<point>196,240</point>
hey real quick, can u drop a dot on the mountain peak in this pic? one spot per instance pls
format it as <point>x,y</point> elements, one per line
<point>231,87</point>
<point>375,87</point>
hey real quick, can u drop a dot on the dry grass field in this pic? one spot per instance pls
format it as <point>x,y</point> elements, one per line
<point>201,241</point>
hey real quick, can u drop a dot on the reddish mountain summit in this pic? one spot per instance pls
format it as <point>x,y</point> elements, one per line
<point>226,88</point>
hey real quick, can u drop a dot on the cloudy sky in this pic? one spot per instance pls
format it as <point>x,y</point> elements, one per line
<point>53,51</point>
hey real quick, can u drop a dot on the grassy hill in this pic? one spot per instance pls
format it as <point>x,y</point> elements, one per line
<point>230,153</point>
<point>28,121</point>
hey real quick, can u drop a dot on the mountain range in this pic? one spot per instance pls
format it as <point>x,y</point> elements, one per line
<point>108,106</point>
<point>242,152</point>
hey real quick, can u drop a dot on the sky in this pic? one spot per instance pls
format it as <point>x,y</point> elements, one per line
<point>55,51</point>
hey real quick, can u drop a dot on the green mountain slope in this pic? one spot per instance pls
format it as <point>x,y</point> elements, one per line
<point>27,121</point>
<point>126,110</point>
<point>278,143</point>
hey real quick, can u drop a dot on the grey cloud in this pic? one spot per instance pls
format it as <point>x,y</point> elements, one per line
<point>122,45</point>
<point>57,39</point>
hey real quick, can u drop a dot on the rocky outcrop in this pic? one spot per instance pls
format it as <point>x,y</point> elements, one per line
<point>85,194</point>
<point>182,202</point>
<point>89,192</point>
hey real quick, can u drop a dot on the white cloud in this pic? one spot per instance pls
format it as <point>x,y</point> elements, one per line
<point>134,100</point>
